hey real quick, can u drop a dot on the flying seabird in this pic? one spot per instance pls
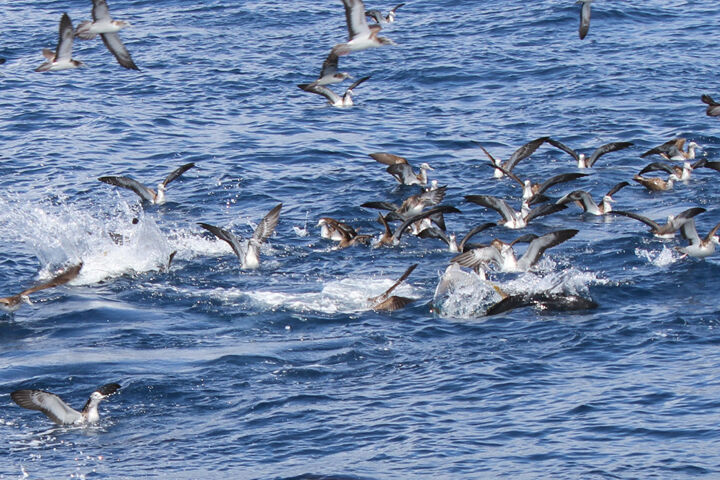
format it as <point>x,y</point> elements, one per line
<point>403,172</point>
<point>511,218</point>
<point>329,73</point>
<point>451,240</point>
<point>60,412</point>
<point>10,304</point>
<point>588,162</point>
<point>333,98</point>
<point>584,18</point>
<point>673,150</point>
<point>674,222</point>
<point>655,184</point>
<point>387,303</point>
<point>360,35</point>
<point>520,154</point>
<point>390,238</point>
<point>585,201</point>
<point>378,16</point>
<point>107,28</point>
<point>713,109</point>
<point>251,257</point>
<point>503,255</point>
<point>147,194</point>
<point>544,301</point>
<point>61,59</point>
<point>412,205</point>
<point>698,247</point>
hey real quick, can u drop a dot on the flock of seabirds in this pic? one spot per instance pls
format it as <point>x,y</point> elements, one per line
<point>421,214</point>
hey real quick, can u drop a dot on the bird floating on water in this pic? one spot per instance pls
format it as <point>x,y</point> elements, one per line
<point>147,194</point>
<point>655,184</point>
<point>403,172</point>
<point>60,412</point>
<point>585,201</point>
<point>333,98</point>
<point>61,59</point>
<point>12,303</point>
<point>378,16</point>
<point>251,257</point>
<point>107,28</point>
<point>713,108</point>
<point>360,35</point>
<point>588,162</point>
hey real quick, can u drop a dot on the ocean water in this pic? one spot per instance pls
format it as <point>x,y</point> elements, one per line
<point>283,372</point>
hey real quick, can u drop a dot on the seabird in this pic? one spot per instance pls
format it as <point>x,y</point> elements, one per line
<point>333,98</point>
<point>655,184</point>
<point>588,162</point>
<point>360,35</point>
<point>10,304</point>
<point>503,255</point>
<point>543,301</point>
<point>378,16</point>
<point>584,18</point>
<point>713,109</point>
<point>585,201</point>
<point>107,28</point>
<point>251,257</point>
<point>2,60</point>
<point>412,205</point>
<point>390,238</point>
<point>61,59</point>
<point>698,247</point>
<point>511,218</point>
<point>329,73</point>
<point>520,154</point>
<point>673,150</point>
<point>60,412</point>
<point>674,222</point>
<point>147,194</point>
<point>341,232</point>
<point>387,303</point>
<point>403,172</point>
<point>682,173</point>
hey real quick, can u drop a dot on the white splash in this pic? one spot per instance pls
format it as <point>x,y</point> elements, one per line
<point>663,258</point>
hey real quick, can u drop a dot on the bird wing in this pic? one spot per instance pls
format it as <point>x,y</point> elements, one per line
<point>494,161</point>
<point>584,19</point>
<point>538,246</point>
<point>433,232</point>
<point>478,256</point>
<point>689,232</point>
<point>433,197</point>
<point>332,97</point>
<point>176,173</point>
<point>610,147</point>
<point>49,404</point>
<point>428,213</point>
<point>356,83</point>
<point>383,296</point>
<point>355,17</point>
<point>707,99</point>
<point>655,166</point>
<point>65,42</point>
<point>62,278</point>
<point>562,178</point>
<point>115,45</point>
<point>711,233</point>
<point>375,15</point>
<point>380,206</point>
<point>564,148</point>
<point>141,190</point>
<point>474,232</point>
<point>100,10</point>
<point>403,173</point>
<point>616,189</point>
<point>543,210</point>
<point>396,7</point>
<point>393,303</point>
<point>645,220</point>
<point>387,158</point>
<point>524,152</point>
<point>330,65</point>
<point>225,236</point>
<point>497,204</point>
<point>667,147</point>
<point>267,225</point>
<point>508,303</point>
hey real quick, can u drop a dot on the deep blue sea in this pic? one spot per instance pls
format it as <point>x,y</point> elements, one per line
<point>283,372</point>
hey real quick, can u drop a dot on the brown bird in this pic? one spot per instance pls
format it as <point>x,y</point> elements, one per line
<point>673,150</point>
<point>655,184</point>
<point>10,304</point>
<point>403,172</point>
<point>385,302</point>
<point>713,109</point>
